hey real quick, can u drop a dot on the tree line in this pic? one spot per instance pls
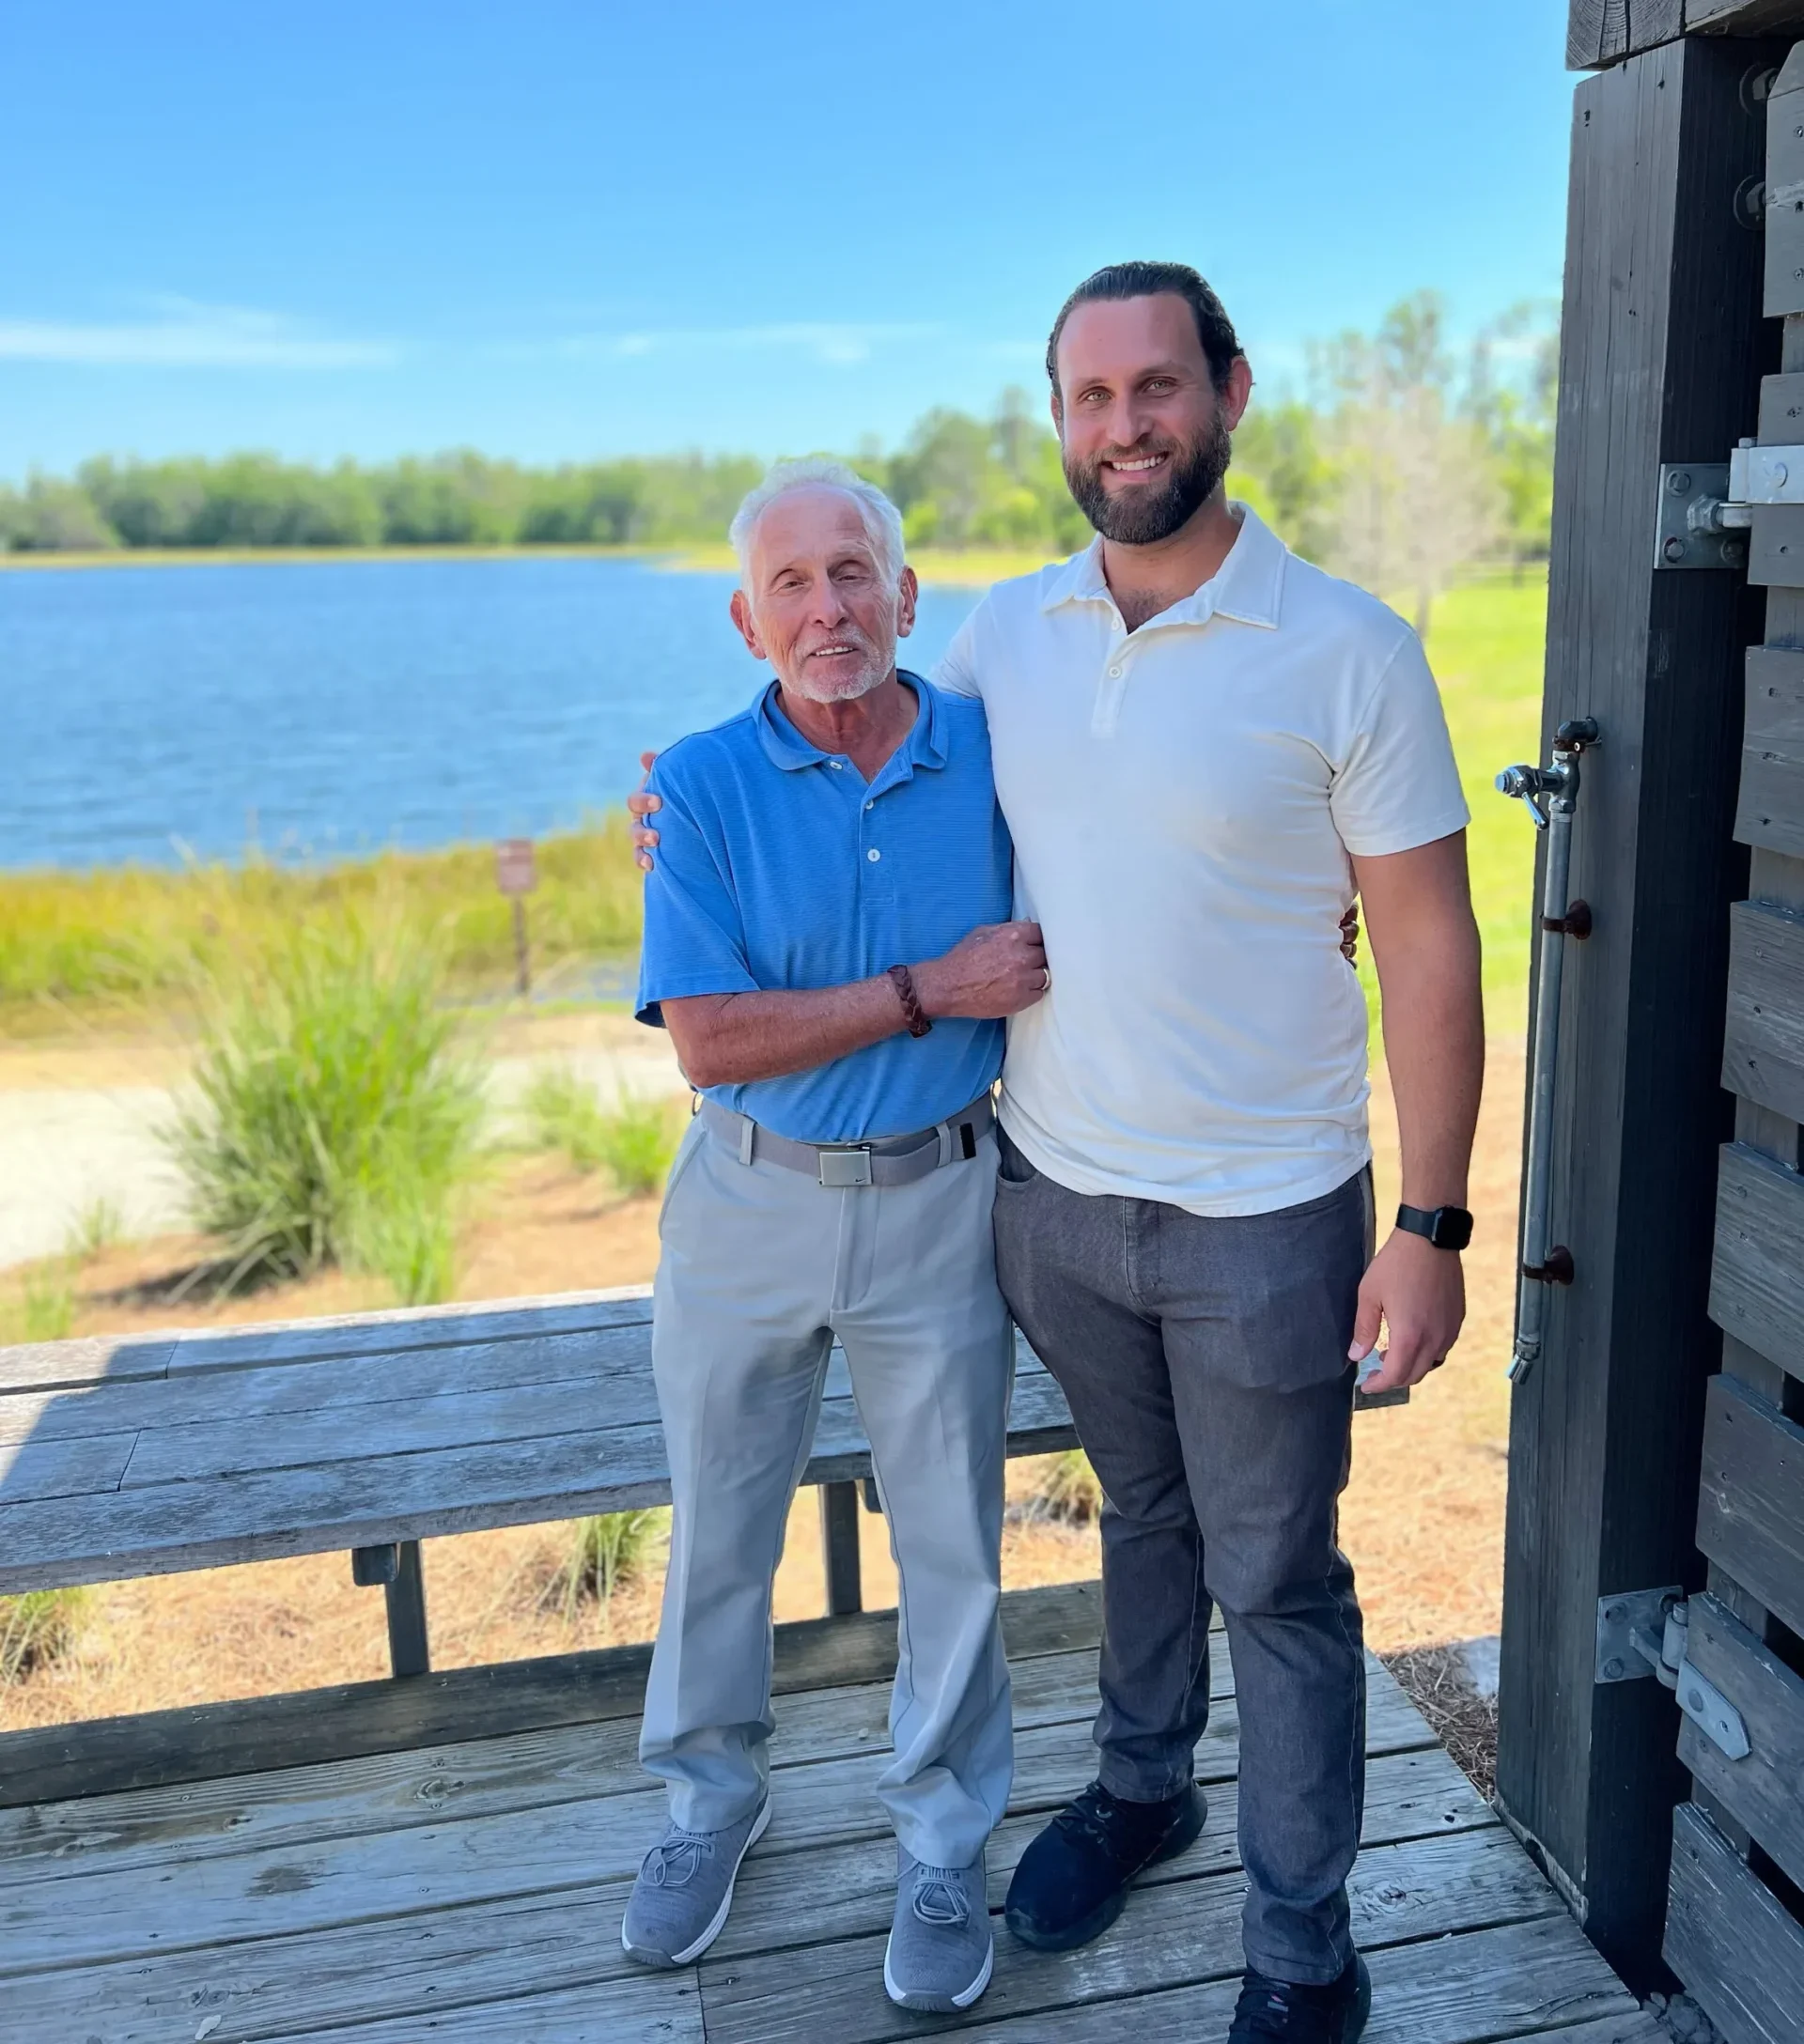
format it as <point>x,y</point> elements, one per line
<point>1403,465</point>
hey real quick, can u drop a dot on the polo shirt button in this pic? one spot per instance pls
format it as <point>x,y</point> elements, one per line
<point>873,853</point>
<point>836,764</point>
<point>1114,674</point>
<point>869,807</point>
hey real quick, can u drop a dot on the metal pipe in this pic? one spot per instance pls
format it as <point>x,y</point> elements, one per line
<point>1537,1176</point>
<point>1544,1264</point>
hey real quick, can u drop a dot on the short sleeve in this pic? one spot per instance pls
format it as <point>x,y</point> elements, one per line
<point>695,939</point>
<point>957,673</point>
<point>1398,785</point>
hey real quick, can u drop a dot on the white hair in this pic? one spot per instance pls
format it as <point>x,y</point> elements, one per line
<point>883,521</point>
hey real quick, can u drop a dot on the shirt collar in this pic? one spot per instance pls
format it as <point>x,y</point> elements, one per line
<point>1247,586</point>
<point>786,747</point>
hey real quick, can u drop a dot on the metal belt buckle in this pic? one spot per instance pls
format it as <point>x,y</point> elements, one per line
<point>847,1167</point>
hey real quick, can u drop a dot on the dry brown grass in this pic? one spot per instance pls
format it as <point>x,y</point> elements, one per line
<point>1422,1517</point>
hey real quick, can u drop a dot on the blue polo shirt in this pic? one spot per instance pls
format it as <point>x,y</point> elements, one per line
<point>779,866</point>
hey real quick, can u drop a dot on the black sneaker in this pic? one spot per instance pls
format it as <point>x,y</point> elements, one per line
<point>1073,1880</point>
<point>1269,2010</point>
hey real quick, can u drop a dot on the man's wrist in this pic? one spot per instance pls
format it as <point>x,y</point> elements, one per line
<point>1446,1227</point>
<point>913,1014</point>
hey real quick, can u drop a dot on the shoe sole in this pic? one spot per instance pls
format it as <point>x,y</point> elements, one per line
<point>938,2004</point>
<point>689,1953</point>
<point>1182,1838</point>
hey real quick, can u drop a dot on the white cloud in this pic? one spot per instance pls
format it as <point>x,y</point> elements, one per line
<point>186,335</point>
<point>837,345</point>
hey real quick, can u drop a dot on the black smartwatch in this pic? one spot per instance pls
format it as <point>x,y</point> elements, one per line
<point>1446,1227</point>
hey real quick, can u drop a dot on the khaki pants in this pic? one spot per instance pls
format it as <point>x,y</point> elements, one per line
<point>762,1268</point>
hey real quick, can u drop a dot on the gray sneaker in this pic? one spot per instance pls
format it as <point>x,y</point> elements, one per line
<point>679,1902</point>
<point>940,1951</point>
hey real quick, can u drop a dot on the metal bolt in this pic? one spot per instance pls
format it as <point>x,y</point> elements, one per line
<point>1779,474</point>
<point>1613,1612</point>
<point>1678,481</point>
<point>1674,549</point>
<point>1734,551</point>
<point>1612,1670</point>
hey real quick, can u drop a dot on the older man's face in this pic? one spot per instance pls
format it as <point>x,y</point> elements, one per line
<point>815,603</point>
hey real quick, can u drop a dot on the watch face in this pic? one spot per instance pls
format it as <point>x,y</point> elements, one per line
<point>1452,1228</point>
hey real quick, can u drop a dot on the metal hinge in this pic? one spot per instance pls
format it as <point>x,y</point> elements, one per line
<point>1705,507</point>
<point>1647,1632</point>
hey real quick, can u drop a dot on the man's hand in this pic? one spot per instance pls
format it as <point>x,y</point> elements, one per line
<point>997,970</point>
<point>1420,1294</point>
<point>1349,923</point>
<point>642,803</point>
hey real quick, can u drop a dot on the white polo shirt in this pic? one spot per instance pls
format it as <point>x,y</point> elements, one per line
<point>1183,801</point>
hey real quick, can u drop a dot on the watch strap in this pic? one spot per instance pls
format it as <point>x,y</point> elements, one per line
<point>1445,1227</point>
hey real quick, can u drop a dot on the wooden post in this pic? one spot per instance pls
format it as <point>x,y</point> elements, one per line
<point>839,1548</point>
<point>1661,351</point>
<point>522,956</point>
<point>408,1651</point>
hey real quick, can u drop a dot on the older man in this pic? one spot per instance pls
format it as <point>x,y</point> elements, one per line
<point>826,941</point>
<point>1204,747</point>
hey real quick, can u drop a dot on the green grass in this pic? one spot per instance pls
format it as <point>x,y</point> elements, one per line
<point>138,937</point>
<point>1486,646</point>
<point>330,1120</point>
<point>36,1629</point>
<point>633,1141</point>
<point>605,1552</point>
<point>42,1305</point>
<point>95,1230</point>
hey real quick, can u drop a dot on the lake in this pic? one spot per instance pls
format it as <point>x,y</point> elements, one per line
<point>321,709</point>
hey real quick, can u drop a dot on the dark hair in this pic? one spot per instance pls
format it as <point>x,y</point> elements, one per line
<point>1214,329</point>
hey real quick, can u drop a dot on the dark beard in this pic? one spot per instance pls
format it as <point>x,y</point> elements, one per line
<point>1145,516</point>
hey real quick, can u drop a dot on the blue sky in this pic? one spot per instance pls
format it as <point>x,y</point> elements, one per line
<point>556,230</point>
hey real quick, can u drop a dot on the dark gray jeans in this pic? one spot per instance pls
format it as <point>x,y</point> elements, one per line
<point>1205,1362</point>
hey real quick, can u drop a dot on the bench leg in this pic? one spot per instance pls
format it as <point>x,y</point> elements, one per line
<point>408,1653</point>
<point>396,1565</point>
<point>839,1547</point>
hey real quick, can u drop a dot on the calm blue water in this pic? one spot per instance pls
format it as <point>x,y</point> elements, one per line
<point>326,708</point>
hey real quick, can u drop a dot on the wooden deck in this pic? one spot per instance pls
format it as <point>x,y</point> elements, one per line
<point>473,1888</point>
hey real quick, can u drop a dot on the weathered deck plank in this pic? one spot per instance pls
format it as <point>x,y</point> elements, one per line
<point>1520,1980</point>
<point>533,1943</point>
<point>265,1514</point>
<point>1182,1933</point>
<point>342,1860</point>
<point>474,1891</point>
<point>61,1763</point>
<point>300,1809</point>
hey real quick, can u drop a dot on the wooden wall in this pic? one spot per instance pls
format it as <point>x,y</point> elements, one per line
<point>1660,359</point>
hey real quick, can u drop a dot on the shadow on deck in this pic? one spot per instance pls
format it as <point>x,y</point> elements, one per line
<point>457,1870</point>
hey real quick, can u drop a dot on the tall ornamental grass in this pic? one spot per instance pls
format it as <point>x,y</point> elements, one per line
<point>331,1120</point>
<point>37,1628</point>
<point>604,1552</point>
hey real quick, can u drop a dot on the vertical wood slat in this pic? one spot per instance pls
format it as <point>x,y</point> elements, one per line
<point>1750,1508</point>
<point>1757,1278</point>
<point>1660,362</point>
<point>1771,809</point>
<point>1760,1789</point>
<point>1763,1052</point>
<point>1729,1939</point>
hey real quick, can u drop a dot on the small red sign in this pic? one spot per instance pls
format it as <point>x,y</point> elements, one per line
<point>515,871</point>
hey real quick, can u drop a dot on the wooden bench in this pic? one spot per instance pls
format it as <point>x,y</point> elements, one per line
<point>145,1456</point>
